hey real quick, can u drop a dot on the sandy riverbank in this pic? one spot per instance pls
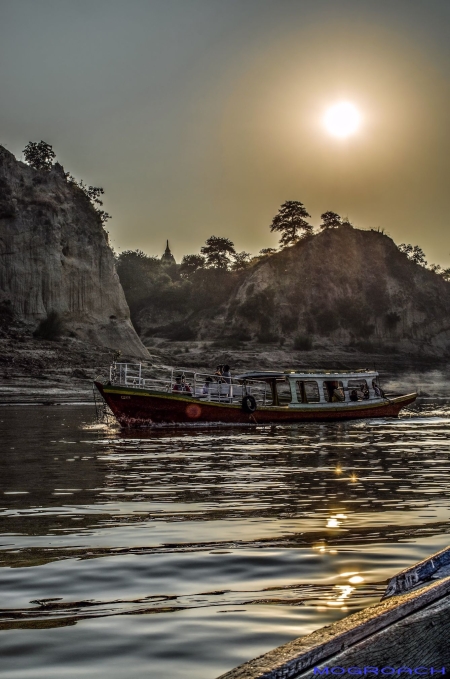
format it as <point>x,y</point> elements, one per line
<point>37,371</point>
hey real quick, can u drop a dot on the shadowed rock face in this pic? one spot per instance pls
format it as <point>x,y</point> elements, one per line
<point>346,284</point>
<point>54,256</point>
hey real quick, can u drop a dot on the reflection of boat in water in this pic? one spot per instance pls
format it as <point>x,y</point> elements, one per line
<point>187,397</point>
<point>407,633</point>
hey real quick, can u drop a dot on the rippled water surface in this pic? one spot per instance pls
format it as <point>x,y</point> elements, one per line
<point>180,554</point>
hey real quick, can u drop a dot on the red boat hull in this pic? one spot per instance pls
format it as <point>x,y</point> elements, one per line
<point>139,408</point>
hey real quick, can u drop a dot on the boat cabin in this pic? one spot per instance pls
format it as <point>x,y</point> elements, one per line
<point>293,389</point>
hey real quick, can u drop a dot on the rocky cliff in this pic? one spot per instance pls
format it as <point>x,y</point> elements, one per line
<point>344,286</point>
<point>54,257</point>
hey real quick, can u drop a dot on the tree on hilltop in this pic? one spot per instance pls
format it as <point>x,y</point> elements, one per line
<point>267,251</point>
<point>218,252</point>
<point>190,264</point>
<point>330,220</point>
<point>39,155</point>
<point>93,193</point>
<point>241,260</point>
<point>290,220</point>
<point>414,253</point>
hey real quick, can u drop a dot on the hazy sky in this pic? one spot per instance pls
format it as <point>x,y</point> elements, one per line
<point>201,117</point>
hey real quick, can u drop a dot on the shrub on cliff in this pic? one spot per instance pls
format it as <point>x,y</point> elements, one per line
<point>50,328</point>
<point>303,343</point>
<point>39,155</point>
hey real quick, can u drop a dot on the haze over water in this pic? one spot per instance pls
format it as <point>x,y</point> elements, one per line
<point>182,553</point>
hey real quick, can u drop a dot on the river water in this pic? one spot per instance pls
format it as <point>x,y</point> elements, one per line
<point>180,554</point>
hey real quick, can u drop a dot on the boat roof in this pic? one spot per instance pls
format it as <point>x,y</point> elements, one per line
<point>306,374</point>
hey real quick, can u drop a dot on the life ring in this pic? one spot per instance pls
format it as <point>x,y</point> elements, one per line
<point>249,404</point>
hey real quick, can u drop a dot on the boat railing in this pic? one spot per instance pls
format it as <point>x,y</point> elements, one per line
<point>205,386</point>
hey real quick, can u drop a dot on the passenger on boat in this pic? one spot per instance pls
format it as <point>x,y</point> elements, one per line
<point>180,385</point>
<point>206,386</point>
<point>226,377</point>
<point>338,395</point>
<point>353,395</point>
<point>219,373</point>
<point>226,374</point>
<point>365,390</point>
<point>379,393</point>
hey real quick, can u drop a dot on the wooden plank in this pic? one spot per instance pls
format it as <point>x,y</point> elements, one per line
<point>293,658</point>
<point>418,641</point>
<point>418,574</point>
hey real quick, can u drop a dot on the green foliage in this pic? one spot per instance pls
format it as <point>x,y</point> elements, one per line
<point>218,252</point>
<point>355,316</point>
<point>93,193</point>
<point>330,220</point>
<point>414,253</point>
<point>39,155</point>
<point>289,323</point>
<point>241,261</point>
<point>290,220</point>
<point>240,335</point>
<point>190,264</point>
<point>303,343</point>
<point>267,336</point>
<point>139,275</point>
<point>257,307</point>
<point>326,321</point>
<point>50,328</point>
<point>181,333</point>
<point>391,319</point>
<point>6,313</point>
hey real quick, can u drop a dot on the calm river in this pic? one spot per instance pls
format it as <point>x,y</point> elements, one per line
<point>180,554</point>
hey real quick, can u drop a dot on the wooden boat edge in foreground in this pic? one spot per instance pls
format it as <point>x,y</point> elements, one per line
<point>301,657</point>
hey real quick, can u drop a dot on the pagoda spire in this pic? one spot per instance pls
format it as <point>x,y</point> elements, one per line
<point>168,257</point>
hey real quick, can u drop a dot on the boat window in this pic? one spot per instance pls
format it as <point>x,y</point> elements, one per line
<point>284,393</point>
<point>358,390</point>
<point>333,390</point>
<point>307,391</point>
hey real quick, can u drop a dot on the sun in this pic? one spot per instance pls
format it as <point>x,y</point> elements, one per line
<point>342,120</point>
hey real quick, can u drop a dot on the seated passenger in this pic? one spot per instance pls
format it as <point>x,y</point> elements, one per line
<point>206,386</point>
<point>365,391</point>
<point>338,395</point>
<point>353,395</point>
<point>180,385</point>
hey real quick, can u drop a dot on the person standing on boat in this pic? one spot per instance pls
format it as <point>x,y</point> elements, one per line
<point>226,375</point>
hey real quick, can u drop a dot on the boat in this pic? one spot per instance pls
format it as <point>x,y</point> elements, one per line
<point>405,634</point>
<point>142,397</point>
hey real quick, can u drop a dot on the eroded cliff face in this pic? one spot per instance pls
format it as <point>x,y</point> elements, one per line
<point>345,285</point>
<point>54,256</point>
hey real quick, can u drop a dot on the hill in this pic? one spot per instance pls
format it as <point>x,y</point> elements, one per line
<point>56,267</point>
<point>343,288</point>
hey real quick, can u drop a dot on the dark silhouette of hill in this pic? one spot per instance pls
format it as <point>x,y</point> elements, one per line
<point>343,287</point>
